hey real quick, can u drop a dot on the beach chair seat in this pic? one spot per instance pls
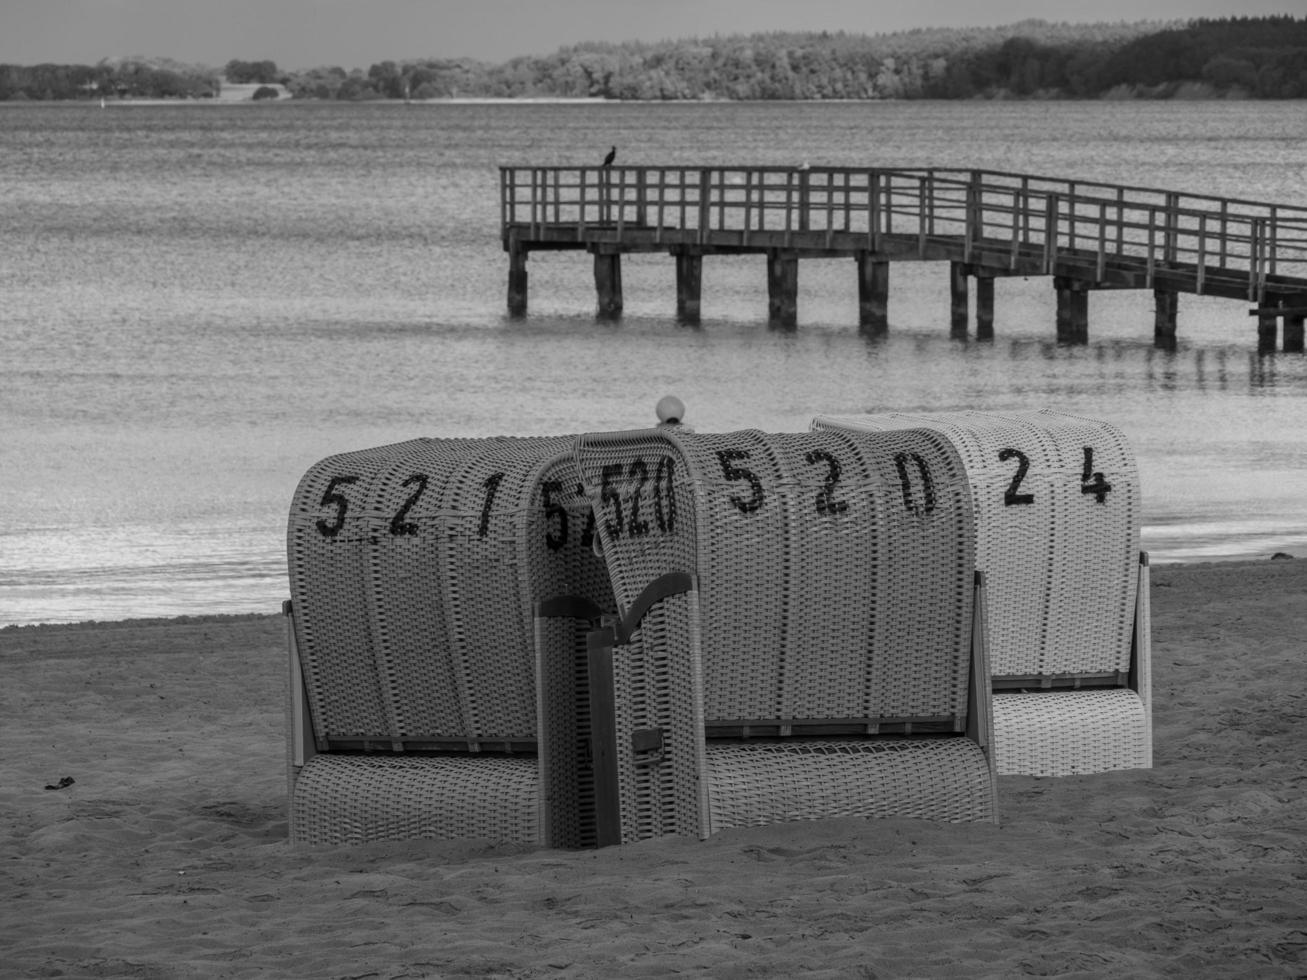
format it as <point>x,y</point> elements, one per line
<point>1057,505</point>
<point>416,707</point>
<point>797,634</point>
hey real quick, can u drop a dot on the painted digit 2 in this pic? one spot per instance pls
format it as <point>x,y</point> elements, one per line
<point>826,502</point>
<point>625,511</point>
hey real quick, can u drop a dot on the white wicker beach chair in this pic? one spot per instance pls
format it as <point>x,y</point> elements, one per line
<point>798,635</point>
<point>1057,506</point>
<point>416,710</point>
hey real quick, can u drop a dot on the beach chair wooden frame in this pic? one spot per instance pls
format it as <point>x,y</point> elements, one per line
<point>1057,504</point>
<point>416,705</point>
<point>800,632</point>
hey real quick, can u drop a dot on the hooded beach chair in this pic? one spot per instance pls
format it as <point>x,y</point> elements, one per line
<point>1057,505</point>
<point>416,705</point>
<point>798,633</point>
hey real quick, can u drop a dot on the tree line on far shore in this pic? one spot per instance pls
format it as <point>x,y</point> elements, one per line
<point>1248,57</point>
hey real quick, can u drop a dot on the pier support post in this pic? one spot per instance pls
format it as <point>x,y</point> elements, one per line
<point>1268,324</point>
<point>958,299</point>
<point>1072,311</point>
<point>984,307</point>
<point>689,286</point>
<point>516,279</point>
<point>1166,305</point>
<point>1293,333</point>
<point>873,294</point>
<point>782,288</point>
<point>608,284</point>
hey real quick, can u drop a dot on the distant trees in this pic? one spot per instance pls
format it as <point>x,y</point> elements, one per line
<point>1256,57</point>
<point>252,72</point>
<point>125,78</point>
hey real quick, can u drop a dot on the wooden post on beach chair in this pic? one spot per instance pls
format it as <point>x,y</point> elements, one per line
<point>1057,533</point>
<point>798,637</point>
<point>416,706</point>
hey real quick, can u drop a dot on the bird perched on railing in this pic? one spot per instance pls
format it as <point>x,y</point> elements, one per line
<point>612,154</point>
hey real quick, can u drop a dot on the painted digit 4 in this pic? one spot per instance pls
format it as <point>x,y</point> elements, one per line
<point>1091,482</point>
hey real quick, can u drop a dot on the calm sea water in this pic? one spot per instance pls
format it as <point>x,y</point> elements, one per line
<point>198,302</point>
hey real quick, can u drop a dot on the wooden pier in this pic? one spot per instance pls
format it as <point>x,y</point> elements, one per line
<point>1085,236</point>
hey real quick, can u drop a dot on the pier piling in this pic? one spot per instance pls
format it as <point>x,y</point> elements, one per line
<point>689,285</point>
<point>1166,306</point>
<point>608,284</point>
<point>782,288</point>
<point>984,307</point>
<point>959,293</point>
<point>873,293</point>
<point>517,281</point>
<point>1072,311</point>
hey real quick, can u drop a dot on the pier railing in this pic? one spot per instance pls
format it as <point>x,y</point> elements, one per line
<point>1002,221</point>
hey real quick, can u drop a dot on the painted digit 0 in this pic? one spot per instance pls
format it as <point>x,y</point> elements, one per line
<point>901,461</point>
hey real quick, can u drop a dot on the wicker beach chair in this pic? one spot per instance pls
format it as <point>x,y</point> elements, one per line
<point>416,707</point>
<point>798,636</point>
<point>1057,506</point>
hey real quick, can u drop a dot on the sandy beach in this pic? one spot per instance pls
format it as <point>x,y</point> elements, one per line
<point>166,854</point>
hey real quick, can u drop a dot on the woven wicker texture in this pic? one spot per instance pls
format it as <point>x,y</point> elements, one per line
<point>843,564</point>
<point>1057,533</point>
<point>413,605</point>
<point>834,578</point>
<point>1059,555</point>
<point>415,569</point>
<point>1066,733</point>
<point>756,783</point>
<point>350,799</point>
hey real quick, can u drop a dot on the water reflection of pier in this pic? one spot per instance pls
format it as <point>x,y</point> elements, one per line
<point>1201,369</point>
<point>1086,236</point>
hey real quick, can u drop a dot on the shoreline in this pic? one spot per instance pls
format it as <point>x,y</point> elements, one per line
<point>273,611</point>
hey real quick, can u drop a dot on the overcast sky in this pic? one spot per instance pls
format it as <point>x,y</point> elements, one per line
<point>357,33</point>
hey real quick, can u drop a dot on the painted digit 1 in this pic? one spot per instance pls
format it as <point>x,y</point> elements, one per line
<point>491,485</point>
